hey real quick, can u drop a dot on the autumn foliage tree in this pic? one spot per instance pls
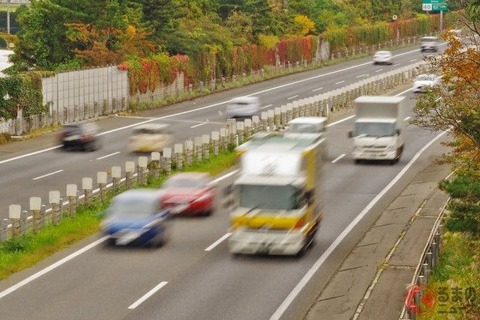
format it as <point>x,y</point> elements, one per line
<point>100,47</point>
<point>453,106</point>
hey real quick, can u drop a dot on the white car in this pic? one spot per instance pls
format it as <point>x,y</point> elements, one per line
<point>383,57</point>
<point>429,44</point>
<point>425,81</point>
<point>150,137</point>
<point>243,107</point>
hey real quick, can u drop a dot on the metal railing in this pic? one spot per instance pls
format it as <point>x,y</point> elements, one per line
<point>429,259</point>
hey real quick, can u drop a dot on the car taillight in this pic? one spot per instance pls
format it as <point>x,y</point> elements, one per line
<point>85,136</point>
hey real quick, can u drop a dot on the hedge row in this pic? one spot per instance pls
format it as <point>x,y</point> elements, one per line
<point>215,62</point>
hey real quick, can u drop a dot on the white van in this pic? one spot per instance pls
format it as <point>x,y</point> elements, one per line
<point>243,107</point>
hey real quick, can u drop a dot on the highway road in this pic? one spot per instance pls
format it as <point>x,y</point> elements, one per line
<point>24,175</point>
<point>194,276</point>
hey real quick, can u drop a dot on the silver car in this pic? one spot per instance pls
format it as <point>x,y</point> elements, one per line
<point>243,107</point>
<point>429,44</point>
<point>383,57</point>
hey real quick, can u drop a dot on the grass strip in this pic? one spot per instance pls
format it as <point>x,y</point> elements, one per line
<point>453,288</point>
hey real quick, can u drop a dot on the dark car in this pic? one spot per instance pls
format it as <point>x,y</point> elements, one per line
<point>80,136</point>
<point>136,217</point>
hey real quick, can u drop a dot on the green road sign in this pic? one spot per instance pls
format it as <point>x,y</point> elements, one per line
<point>434,5</point>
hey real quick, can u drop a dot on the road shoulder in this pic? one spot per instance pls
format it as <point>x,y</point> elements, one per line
<point>371,281</point>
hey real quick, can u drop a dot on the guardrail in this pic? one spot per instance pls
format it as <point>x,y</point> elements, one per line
<point>429,259</point>
<point>67,109</point>
<point>185,154</point>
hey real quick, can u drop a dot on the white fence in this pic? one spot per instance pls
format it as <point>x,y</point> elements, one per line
<point>84,89</point>
<point>195,149</point>
<point>86,94</point>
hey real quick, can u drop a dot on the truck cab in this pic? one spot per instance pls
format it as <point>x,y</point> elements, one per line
<point>378,130</point>
<point>277,189</point>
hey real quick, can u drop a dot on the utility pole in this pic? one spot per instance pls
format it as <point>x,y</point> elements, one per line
<point>8,17</point>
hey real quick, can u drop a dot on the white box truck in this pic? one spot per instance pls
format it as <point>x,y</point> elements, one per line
<point>278,192</point>
<point>379,128</point>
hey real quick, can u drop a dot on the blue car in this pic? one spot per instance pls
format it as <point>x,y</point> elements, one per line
<point>135,217</point>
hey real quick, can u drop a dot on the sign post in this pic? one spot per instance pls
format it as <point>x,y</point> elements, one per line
<point>435,5</point>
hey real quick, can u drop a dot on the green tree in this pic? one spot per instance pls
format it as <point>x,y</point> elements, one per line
<point>266,22</point>
<point>227,7</point>
<point>43,42</point>
<point>161,16</point>
<point>241,26</point>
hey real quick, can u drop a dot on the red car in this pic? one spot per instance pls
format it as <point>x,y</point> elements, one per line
<point>189,193</point>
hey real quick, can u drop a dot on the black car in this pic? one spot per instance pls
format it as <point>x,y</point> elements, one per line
<point>80,136</point>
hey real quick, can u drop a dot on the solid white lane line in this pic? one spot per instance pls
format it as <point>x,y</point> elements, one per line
<point>317,89</point>
<point>225,176</point>
<point>48,174</point>
<point>148,295</point>
<point>339,121</point>
<point>340,82</point>
<point>267,106</point>
<point>198,125</point>
<point>292,97</point>
<point>51,267</point>
<point>413,60</point>
<point>216,243</point>
<point>339,157</point>
<point>378,70</point>
<point>108,155</point>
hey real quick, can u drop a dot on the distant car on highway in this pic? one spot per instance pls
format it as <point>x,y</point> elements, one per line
<point>136,217</point>
<point>243,107</point>
<point>150,137</point>
<point>429,44</point>
<point>425,81</point>
<point>189,193</point>
<point>383,57</point>
<point>80,136</point>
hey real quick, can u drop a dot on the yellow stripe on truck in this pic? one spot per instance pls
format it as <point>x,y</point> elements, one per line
<point>270,222</point>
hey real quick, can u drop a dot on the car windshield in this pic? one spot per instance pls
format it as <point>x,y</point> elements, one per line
<point>134,208</point>
<point>302,128</point>
<point>269,197</point>
<point>72,130</point>
<point>429,39</point>
<point>375,129</point>
<point>185,183</point>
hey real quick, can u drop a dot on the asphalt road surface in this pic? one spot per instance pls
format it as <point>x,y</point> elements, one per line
<point>193,276</point>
